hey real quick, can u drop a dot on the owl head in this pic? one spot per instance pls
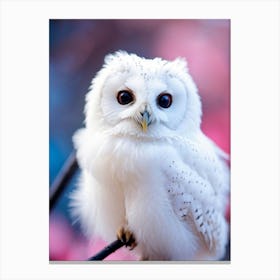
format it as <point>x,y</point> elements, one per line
<point>142,97</point>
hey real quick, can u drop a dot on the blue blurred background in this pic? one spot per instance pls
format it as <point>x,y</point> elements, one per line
<point>76,52</point>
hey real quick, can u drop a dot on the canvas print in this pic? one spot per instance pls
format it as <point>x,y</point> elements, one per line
<point>140,140</point>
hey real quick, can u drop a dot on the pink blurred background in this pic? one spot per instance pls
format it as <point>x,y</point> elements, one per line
<point>77,50</point>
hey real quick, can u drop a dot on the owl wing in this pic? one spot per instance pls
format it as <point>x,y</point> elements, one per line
<point>196,194</point>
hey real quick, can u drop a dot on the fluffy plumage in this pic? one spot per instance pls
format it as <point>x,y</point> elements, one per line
<point>146,165</point>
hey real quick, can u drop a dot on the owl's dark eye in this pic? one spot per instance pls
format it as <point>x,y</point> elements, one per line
<point>125,97</point>
<point>164,100</point>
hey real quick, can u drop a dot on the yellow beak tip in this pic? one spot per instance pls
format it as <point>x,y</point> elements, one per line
<point>144,126</point>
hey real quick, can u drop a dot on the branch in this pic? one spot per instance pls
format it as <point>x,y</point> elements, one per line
<point>63,177</point>
<point>111,248</point>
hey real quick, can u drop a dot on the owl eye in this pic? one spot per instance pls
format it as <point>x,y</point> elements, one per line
<point>125,97</point>
<point>164,100</point>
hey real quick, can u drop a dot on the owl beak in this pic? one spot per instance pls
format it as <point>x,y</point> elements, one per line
<point>146,120</point>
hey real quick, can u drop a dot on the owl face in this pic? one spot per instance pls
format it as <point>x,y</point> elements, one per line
<point>144,97</point>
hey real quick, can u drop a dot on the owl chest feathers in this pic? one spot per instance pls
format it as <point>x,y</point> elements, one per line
<point>128,159</point>
<point>130,163</point>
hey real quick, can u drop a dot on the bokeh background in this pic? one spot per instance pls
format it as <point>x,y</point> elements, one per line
<point>76,52</point>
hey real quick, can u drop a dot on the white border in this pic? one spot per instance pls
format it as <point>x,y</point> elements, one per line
<point>254,130</point>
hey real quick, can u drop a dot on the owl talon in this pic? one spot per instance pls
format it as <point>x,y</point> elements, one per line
<point>126,237</point>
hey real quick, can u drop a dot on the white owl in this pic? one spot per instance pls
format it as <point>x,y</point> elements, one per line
<point>149,174</point>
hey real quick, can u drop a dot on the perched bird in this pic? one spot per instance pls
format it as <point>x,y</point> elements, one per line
<point>149,175</point>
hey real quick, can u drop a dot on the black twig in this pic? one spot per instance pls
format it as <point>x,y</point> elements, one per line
<point>111,248</point>
<point>61,180</point>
